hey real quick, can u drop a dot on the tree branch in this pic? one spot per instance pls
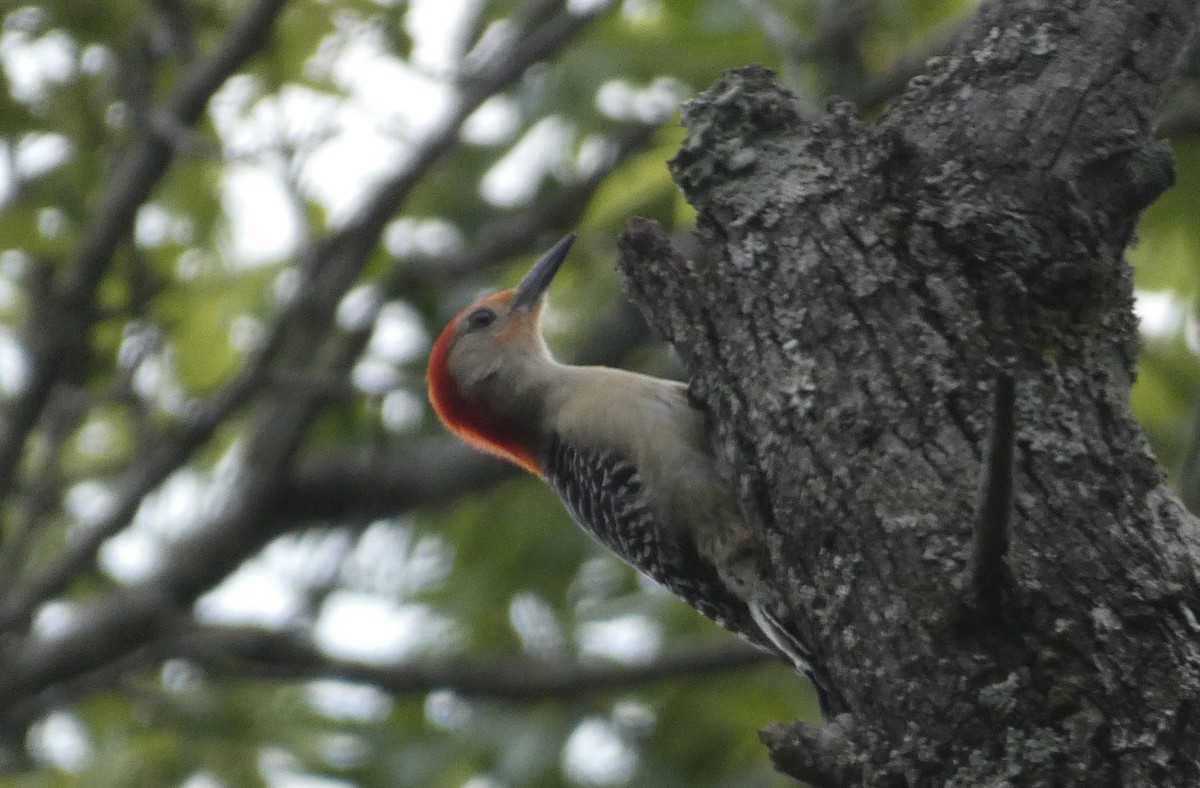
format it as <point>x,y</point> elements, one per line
<point>284,657</point>
<point>256,653</point>
<point>56,336</point>
<point>509,236</point>
<point>129,618</point>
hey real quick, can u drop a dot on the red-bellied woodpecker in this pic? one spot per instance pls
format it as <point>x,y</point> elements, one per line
<point>628,455</point>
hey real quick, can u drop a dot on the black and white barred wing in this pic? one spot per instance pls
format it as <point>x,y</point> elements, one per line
<point>604,494</point>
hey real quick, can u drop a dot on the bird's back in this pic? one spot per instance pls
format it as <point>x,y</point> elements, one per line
<point>647,488</point>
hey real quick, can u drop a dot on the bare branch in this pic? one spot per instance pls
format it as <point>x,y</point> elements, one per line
<point>328,270</point>
<point>280,656</point>
<point>127,619</point>
<point>256,653</point>
<point>166,455</point>
<point>42,497</point>
<point>521,233</point>
<point>56,336</point>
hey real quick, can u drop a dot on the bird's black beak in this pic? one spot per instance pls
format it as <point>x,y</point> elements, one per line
<point>538,280</point>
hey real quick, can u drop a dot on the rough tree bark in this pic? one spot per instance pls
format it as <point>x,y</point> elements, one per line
<point>870,293</point>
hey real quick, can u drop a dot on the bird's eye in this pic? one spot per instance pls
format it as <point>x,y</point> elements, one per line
<point>480,318</point>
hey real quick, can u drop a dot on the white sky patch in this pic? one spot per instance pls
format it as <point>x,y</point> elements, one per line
<point>55,619</point>
<point>373,376</point>
<point>246,333</point>
<point>203,779</point>
<point>1159,313</point>
<point>97,59</point>
<point>131,556</point>
<point>389,93</point>
<point>50,222</point>
<point>345,145</point>
<point>252,124</point>
<point>33,65</point>
<point>407,236</point>
<point>581,7</point>
<point>281,769</point>
<point>155,226</point>
<point>359,307</point>
<point>61,740</point>
<point>251,596</point>
<point>439,31</point>
<point>271,589</point>
<point>88,501</point>
<point>177,507</point>
<point>398,336</point>
<point>595,754</point>
<point>180,504</point>
<point>656,103</point>
<point>448,710</point>
<point>228,108</point>
<point>516,178</point>
<point>38,154</point>
<point>634,639</point>
<point>262,214</point>
<point>437,237</point>
<point>483,781</point>
<point>262,218</point>
<point>14,364</point>
<point>368,627</point>
<point>343,171</point>
<point>495,122</point>
<point>344,750</point>
<point>15,264</point>
<point>33,156</point>
<point>156,381</point>
<point>642,13</point>
<point>535,623</point>
<point>97,438</point>
<point>595,153</point>
<point>180,675</point>
<point>401,410</point>
<point>391,559</point>
<point>345,700</point>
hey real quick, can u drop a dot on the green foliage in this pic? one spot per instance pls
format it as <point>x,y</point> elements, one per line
<point>1168,248</point>
<point>1166,260</point>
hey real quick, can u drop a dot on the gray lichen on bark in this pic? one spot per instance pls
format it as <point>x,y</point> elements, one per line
<point>863,289</point>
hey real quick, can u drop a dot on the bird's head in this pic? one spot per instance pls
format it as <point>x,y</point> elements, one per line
<point>485,353</point>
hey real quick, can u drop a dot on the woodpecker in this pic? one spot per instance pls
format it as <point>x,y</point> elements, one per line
<point>627,454</point>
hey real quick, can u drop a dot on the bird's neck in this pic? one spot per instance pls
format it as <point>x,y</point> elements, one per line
<point>507,412</point>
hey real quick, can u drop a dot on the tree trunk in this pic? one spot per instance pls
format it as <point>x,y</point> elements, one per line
<point>1013,604</point>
